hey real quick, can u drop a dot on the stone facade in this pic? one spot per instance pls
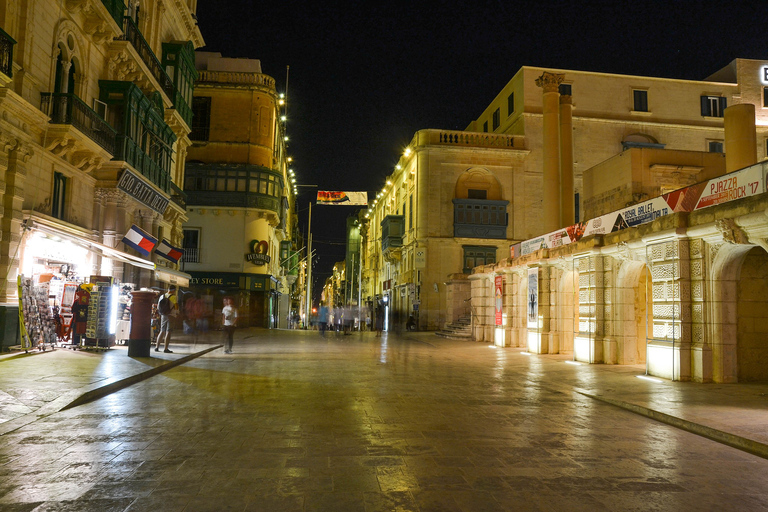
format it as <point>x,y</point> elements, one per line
<point>683,295</point>
<point>65,139</point>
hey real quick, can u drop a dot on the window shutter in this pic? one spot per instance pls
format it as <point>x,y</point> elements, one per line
<point>705,106</point>
<point>723,105</point>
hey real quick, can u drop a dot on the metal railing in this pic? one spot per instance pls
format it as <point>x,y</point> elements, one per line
<point>191,255</point>
<point>67,108</point>
<point>6,53</point>
<point>132,34</point>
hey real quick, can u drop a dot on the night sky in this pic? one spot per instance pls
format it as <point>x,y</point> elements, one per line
<point>364,79</point>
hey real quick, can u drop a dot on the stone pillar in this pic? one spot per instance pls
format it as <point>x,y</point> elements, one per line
<point>12,203</point>
<point>547,304</point>
<point>701,348</point>
<point>550,219</point>
<point>568,210</point>
<point>588,343</point>
<point>740,137</point>
<point>669,352</point>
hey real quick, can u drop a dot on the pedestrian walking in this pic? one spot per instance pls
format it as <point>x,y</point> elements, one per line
<point>322,318</point>
<point>167,307</point>
<point>379,314</point>
<point>229,322</point>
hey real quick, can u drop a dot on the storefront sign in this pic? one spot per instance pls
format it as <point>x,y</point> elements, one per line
<point>214,279</point>
<point>140,190</point>
<point>259,250</point>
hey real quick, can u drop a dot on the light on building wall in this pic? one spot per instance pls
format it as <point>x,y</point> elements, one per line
<point>407,152</point>
<point>285,138</point>
<point>389,182</point>
<point>398,167</point>
<point>290,159</point>
<point>293,180</point>
<point>283,118</point>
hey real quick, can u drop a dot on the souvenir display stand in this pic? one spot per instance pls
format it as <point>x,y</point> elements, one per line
<point>102,313</point>
<point>124,306</point>
<point>37,323</point>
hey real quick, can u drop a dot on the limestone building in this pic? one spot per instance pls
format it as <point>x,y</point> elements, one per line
<point>240,234</point>
<point>457,200</point>
<point>96,101</point>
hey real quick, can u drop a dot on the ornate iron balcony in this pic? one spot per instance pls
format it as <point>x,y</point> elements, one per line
<point>6,54</point>
<point>132,34</point>
<point>66,108</point>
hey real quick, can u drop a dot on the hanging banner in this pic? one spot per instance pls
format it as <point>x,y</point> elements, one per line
<point>499,282</point>
<point>140,240</point>
<point>533,298</point>
<point>342,198</point>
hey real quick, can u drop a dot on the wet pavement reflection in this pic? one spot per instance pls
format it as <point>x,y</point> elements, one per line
<point>295,422</point>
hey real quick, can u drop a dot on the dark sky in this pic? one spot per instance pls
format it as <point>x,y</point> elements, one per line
<point>365,76</point>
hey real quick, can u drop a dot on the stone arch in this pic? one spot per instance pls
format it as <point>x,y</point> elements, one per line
<point>634,312</point>
<point>481,180</point>
<point>739,281</point>
<point>68,49</point>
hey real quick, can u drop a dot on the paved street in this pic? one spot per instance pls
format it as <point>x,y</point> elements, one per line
<point>295,422</point>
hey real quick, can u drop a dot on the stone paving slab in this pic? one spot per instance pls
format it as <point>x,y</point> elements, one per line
<point>43,383</point>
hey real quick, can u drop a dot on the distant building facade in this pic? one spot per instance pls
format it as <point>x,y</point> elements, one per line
<point>97,110</point>
<point>459,199</point>
<point>238,239</point>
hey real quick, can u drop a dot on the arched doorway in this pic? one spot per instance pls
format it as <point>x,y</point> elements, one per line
<point>751,314</point>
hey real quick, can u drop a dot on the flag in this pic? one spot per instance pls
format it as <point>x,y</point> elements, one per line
<point>139,240</point>
<point>168,251</point>
<point>342,198</point>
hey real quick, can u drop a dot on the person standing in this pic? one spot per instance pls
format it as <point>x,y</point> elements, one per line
<point>229,322</point>
<point>322,318</point>
<point>167,306</point>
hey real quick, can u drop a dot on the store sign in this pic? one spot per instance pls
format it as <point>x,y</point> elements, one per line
<point>258,254</point>
<point>764,75</point>
<point>420,257</point>
<point>140,190</point>
<point>214,279</point>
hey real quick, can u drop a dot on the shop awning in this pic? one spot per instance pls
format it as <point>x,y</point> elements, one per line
<point>79,236</point>
<point>170,276</point>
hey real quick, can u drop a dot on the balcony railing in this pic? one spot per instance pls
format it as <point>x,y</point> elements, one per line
<point>116,9</point>
<point>191,255</point>
<point>468,139</point>
<point>237,77</point>
<point>133,35</point>
<point>6,54</point>
<point>480,218</point>
<point>66,108</point>
<point>178,196</point>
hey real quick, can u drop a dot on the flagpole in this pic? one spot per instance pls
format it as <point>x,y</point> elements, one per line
<point>309,269</point>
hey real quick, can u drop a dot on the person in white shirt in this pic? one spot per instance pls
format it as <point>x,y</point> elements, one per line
<point>229,321</point>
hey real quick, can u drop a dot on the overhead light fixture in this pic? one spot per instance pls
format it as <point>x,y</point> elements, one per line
<point>407,152</point>
<point>285,138</point>
<point>283,118</point>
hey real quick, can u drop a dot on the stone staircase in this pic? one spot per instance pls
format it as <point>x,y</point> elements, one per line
<point>459,330</point>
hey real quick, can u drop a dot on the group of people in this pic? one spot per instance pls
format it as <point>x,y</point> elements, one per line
<point>167,308</point>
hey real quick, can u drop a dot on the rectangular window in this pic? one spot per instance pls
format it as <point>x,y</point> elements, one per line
<point>640,100</point>
<point>765,97</point>
<point>410,209</point>
<point>565,89</point>
<point>713,106</point>
<point>201,118</point>
<point>59,195</point>
<point>510,104</point>
<point>496,118</point>
<point>715,146</point>
<point>475,256</point>
<point>477,194</point>
<point>485,126</point>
